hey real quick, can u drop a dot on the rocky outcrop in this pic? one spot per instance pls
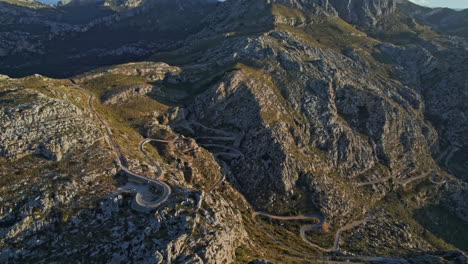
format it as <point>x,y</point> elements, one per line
<point>180,232</point>
<point>151,71</point>
<point>432,71</point>
<point>364,13</point>
<point>42,125</point>
<point>376,236</point>
<point>193,226</point>
<point>127,93</point>
<point>325,105</point>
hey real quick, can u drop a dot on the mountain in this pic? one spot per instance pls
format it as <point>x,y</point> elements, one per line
<point>444,20</point>
<point>244,131</point>
<point>87,35</point>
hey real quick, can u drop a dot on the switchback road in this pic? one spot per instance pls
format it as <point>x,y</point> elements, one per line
<point>123,164</point>
<point>307,228</point>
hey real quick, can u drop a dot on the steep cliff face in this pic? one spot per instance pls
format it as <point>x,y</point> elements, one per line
<point>33,123</point>
<point>319,117</point>
<point>316,105</point>
<point>364,13</point>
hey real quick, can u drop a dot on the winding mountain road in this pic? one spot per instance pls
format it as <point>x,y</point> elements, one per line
<point>123,164</point>
<point>404,182</point>
<point>386,178</point>
<point>336,244</point>
<point>307,228</point>
<point>432,179</point>
<point>166,190</point>
<point>141,147</point>
<point>325,259</point>
<point>412,179</point>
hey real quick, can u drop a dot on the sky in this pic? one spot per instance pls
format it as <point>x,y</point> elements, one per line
<point>459,4</point>
<point>443,3</point>
<point>49,2</point>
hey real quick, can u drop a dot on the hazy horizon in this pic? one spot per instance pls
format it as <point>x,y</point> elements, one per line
<point>455,4</point>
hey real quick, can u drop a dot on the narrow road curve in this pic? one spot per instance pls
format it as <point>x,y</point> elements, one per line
<point>223,177</point>
<point>123,164</point>
<point>233,150</point>
<point>141,147</point>
<point>433,176</point>
<point>255,214</point>
<point>159,169</point>
<point>404,182</point>
<point>218,135</point>
<point>307,228</point>
<point>386,178</point>
<point>336,245</point>
<point>326,259</point>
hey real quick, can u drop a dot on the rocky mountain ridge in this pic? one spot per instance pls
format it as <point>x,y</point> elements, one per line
<point>352,114</point>
<point>148,30</point>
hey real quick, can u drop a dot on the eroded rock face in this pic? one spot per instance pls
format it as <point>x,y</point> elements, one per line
<point>182,231</point>
<point>151,71</point>
<point>42,125</point>
<point>365,13</point>
<point>43,206</point>
<point>434,71</point>
<point>293,110</point>
<point>362,13</point>
<point>129,92</point>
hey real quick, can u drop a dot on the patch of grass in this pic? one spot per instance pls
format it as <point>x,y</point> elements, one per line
<point>443,224</point>
<point>287,12</point>
<point>393,205</point>
<point>112,83</point>
<point>400,30</point>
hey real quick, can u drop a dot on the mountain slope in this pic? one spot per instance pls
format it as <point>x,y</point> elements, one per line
<point>288,130</point>
<point>445,20</point>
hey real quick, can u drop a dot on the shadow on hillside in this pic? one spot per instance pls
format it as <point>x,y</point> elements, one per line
<point>258,173</point>
<point>444,224</point>
<point>134,35</point>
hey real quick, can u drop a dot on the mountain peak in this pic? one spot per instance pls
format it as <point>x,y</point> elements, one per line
<point>365,13</point>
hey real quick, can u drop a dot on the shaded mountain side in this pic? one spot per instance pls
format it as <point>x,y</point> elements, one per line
<point>87,35</point>
<point>61,185</point>
<point>338,105</point>
<point>444,20</point>
<point>94,41</point>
